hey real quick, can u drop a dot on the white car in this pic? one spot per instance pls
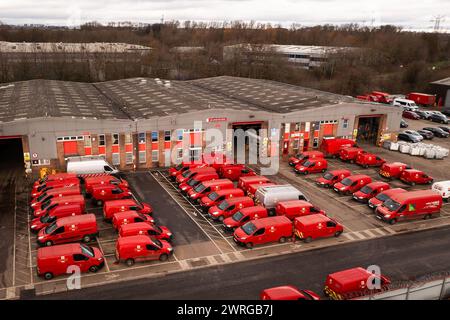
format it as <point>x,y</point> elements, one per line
<point>414,133</point>
<point>443,188</point>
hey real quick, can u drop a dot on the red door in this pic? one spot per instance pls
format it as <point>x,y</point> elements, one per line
<point>70,147</point>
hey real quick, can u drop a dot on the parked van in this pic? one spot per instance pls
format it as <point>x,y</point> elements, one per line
<point>331,177</point>
<point>145,228</point>
<point>443,188</point>
<point>197,179</point>
<point>229,207</point>
<point>55,260</point>
<point>50,205</point>
<point>413,177</point>
<point>217,197</point>
<point>69,229</point>
<point>206,187</point>
<point>108,192</point>
<point>58,212</point>
<point>114,206</point>
<point>316,226</point>
<point>352,283</point>
<point>270,196</point>
<point>288,293</point>
<point>410,205</point>
<point>352,184</point>
<point>264,230</point>
<point>191,173</point>
<point>55,184</point>
<point>55,177</point>
<point>129,217</point>
<point>301,157</point>
<point>405,104</point>
<point>332,146</point>
<point>54,193</point>
<point>235,171</point>
<point>370,190</point>
<point>90,182</point>
<point>251,190</point>
<point>350,154</point>
<point>312,166</point>
<point>393,169</point>
<point>141,248</point>
<point>296,208</point>
<point>382,197</point>
<point>369,160</point>
<point>245,182</point>
<point>89,164</point>
<point>182,167</point>
<point>243,216</point>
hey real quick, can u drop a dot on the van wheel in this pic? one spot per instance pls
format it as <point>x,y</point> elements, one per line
<point>305,172</point>
<point>249,245</point>
<point>129,262</point>
<point>323,170</point>
<point>427,216</point>
<point>48,243</point>
<point>413,184</point>
<point>392,221</point>
<point>86,239</point>
<point>221,218</point>
<point>430,182</point>
<point>352,161</point>
<point>99,203</point>
<point>93,269</point>
<point>163,257</point>
<point>365,166</point>
<point>48,275</point>
<point>282,240</point>
<point>308,239</point>
<point>338,233</point>
<point>271,212</point>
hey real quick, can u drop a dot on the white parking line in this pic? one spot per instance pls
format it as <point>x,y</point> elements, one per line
<point>101,249</point>
<point>15,235</point>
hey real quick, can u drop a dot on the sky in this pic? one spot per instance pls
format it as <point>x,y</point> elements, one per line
<point>412,14</point>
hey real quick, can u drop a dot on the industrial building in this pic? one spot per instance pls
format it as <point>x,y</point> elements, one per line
<point>442,90</point>
<point>136,123</point>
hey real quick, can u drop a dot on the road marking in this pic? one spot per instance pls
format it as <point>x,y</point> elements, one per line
<point>184,265</point>
<point>359,235</point>
<point>349,236</point>
<point>100,247</point>
<point>15,234</point>
<point>390,230</point>
<point>211,260</point>
<point>371,235</point>
<point>226,258</point>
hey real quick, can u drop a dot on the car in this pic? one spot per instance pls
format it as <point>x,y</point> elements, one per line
<point>413,177</point>
<point>331,177</point>
<point>408,137</point>
<point>439,117</point>
<point>288,293</point>
<point>446,112</point>
<point>423,114</point>
<point>410,115</point>
<point>443,188</point>
<point>145,228</point>
<point>312,166</point>
<point>446,129</point>
<point>352,184</point>
<point>369,160</point>
<point>403,123</point>
<point>114,206</point>
<point>370,190</point>
<point>141,248</point>
<point>301,157</point>
<point>229,207</point>
<point>243,216</point>
<point>382,197</point>
<point>129,217</point>
<point>414,133</point>
<point>437,132</point>
<point>428,135</point>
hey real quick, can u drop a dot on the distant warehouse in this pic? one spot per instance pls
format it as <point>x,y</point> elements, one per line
<point>140,122</point>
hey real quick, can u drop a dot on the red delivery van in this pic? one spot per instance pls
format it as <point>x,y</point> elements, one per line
<point>243,216</point>
<point>37,191</point>
<point>129,217</point>
<point>410,205</point>
<point>206,187</point>
<point>382,197</point>
<point>108,192</point>
<point>331,177</point>
<point>114,206</point>
<point>352,283</point>
<point>55,260</point>
<point>141,248</point>
<point>260,231</point>
<point>182,167</point>
<point>251,190</point>
<point>90,182</point>
<point>235,171</point>
<point>352,184</point>
<point>369,160</point>
<point>58,212</point>
<point>288,293</point>
<point>296,208</point>
<point>191,173</point>
<point>413,177</point>
<point>301,157</point>
<point>244,182</point>
<point>350,154</point>
<point>229,207</point>
<point>332,146</point>
<point>55,177</point>
<point>422,98</point>
<point>145,228</point>
<point>50,194</point>
<point>217,197</point>
<point>312,166</point>
<point>316,226</point>
<point>393,169</point>
<point>48,206</point>
<point>198,178</point>
<point>69,229</point>
<point>370,190</point>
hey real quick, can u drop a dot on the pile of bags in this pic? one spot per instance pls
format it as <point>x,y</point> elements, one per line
<point>426,150</point>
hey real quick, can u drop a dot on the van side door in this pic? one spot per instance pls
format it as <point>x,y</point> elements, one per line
<point>81,261</point>
<point>259,235</point>
<point>152,252</point>
<point>58,235</point>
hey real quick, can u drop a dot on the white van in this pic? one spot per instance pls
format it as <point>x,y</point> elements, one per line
<point>407,105</point>
<point>443,188</point>
<point>270,196</point>
<point>89,164</point>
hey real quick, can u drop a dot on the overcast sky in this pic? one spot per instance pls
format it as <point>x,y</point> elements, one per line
<point>409,14</point>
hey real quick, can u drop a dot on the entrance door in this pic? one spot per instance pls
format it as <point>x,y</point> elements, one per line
<point>368,129</point>
<point>248,133</point>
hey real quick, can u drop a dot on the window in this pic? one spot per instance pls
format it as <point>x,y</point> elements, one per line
<point>101,140</point>
<point>180,153</point>
<point>151,248</point>
<point>87,141</point>
<point>167,135</point>
<point>107,168</point>
<point>128,138</point>
<point>194,154</point>
<point>259,232</point>
<point>115,139</point>
<point>80,257</point>
<point>180,135</point>
<point>155,155</point>
<point>345,124</point>
<point>115,159</point>
<point>141,137</point>
<point>142,157</point>
<point>128,157</point>
<point>315,143</point>
<point>154,136</point>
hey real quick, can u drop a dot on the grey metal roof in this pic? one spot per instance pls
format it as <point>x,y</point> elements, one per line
<point>443,82</point>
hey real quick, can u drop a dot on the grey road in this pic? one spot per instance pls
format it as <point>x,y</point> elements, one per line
<point>405,257</point>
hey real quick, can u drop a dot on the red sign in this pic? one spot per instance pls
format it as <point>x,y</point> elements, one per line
<point>216,119</point>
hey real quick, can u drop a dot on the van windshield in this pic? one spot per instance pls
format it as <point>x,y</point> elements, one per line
<point>43,197</point>
<point>192,182</point>
<point>223,205</point>
<point>47,218</point>
<point>213,196</point>
<point>87,251</point>
<point>366,190</point>
<point>179,167</point>
<point>45,205</point>
<point>391,205</point>
<point>346,182</point>
<point>158,243</point>
<point>186,173</point>
<point>328,176</point>
<point>41,188</point>
<point>300,156</point>
<point>51,228</point>
<point>200,187</point>
<point>307,163</point>
<point>249,228</point>
<point>237,216</point>
<point>382,197</point>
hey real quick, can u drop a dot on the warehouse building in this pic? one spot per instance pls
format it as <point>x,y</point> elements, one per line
<point>441,89</point>
<point>141,122</point>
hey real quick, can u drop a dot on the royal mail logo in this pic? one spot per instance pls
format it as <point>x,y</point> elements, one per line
<point>216,119</point>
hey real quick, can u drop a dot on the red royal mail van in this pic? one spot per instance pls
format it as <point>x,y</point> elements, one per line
<point>141,248</point>
<point>55,260</point>
<point>90,182</point>
<point>191,173</point>
<point>69,229</point>
<point>352,283</point>
<point>56,184</point>
<point>235,171</point>
<point>301,157</point>
<point>114,206</point>
<point>197,179</point>
<point>206,187</point>
<point>288,293</point>
<point>108,192</point>
<point>244,182</point>
<point>384,196</point>
<point>413,177</point>
<point>370,190</point>
<point>229,207</point>
<point>129,217</point>
<point>312,166</point>
<point>350,154</point>
<point>316,226</point>
<point>410,205</point>
<point>369,160</point>
<point>55,177</point>
<point>53,193</point>
<point>48,206</point>
<point>251,190</point>
<point>145,228</point>
<point>352,184</point>
<point>332,146</point>
<point>217,197</point>
<point>243,216</point>
<point>296,208</point>
<point>58,212</point>
<point>263,230</point>
<point>182,167</point>
<point>331,177</point>
<point>393,169</point>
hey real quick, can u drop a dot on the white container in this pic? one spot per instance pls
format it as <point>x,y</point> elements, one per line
<point>404,148</point>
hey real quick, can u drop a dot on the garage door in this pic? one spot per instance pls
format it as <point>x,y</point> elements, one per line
<point>70,148</point>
